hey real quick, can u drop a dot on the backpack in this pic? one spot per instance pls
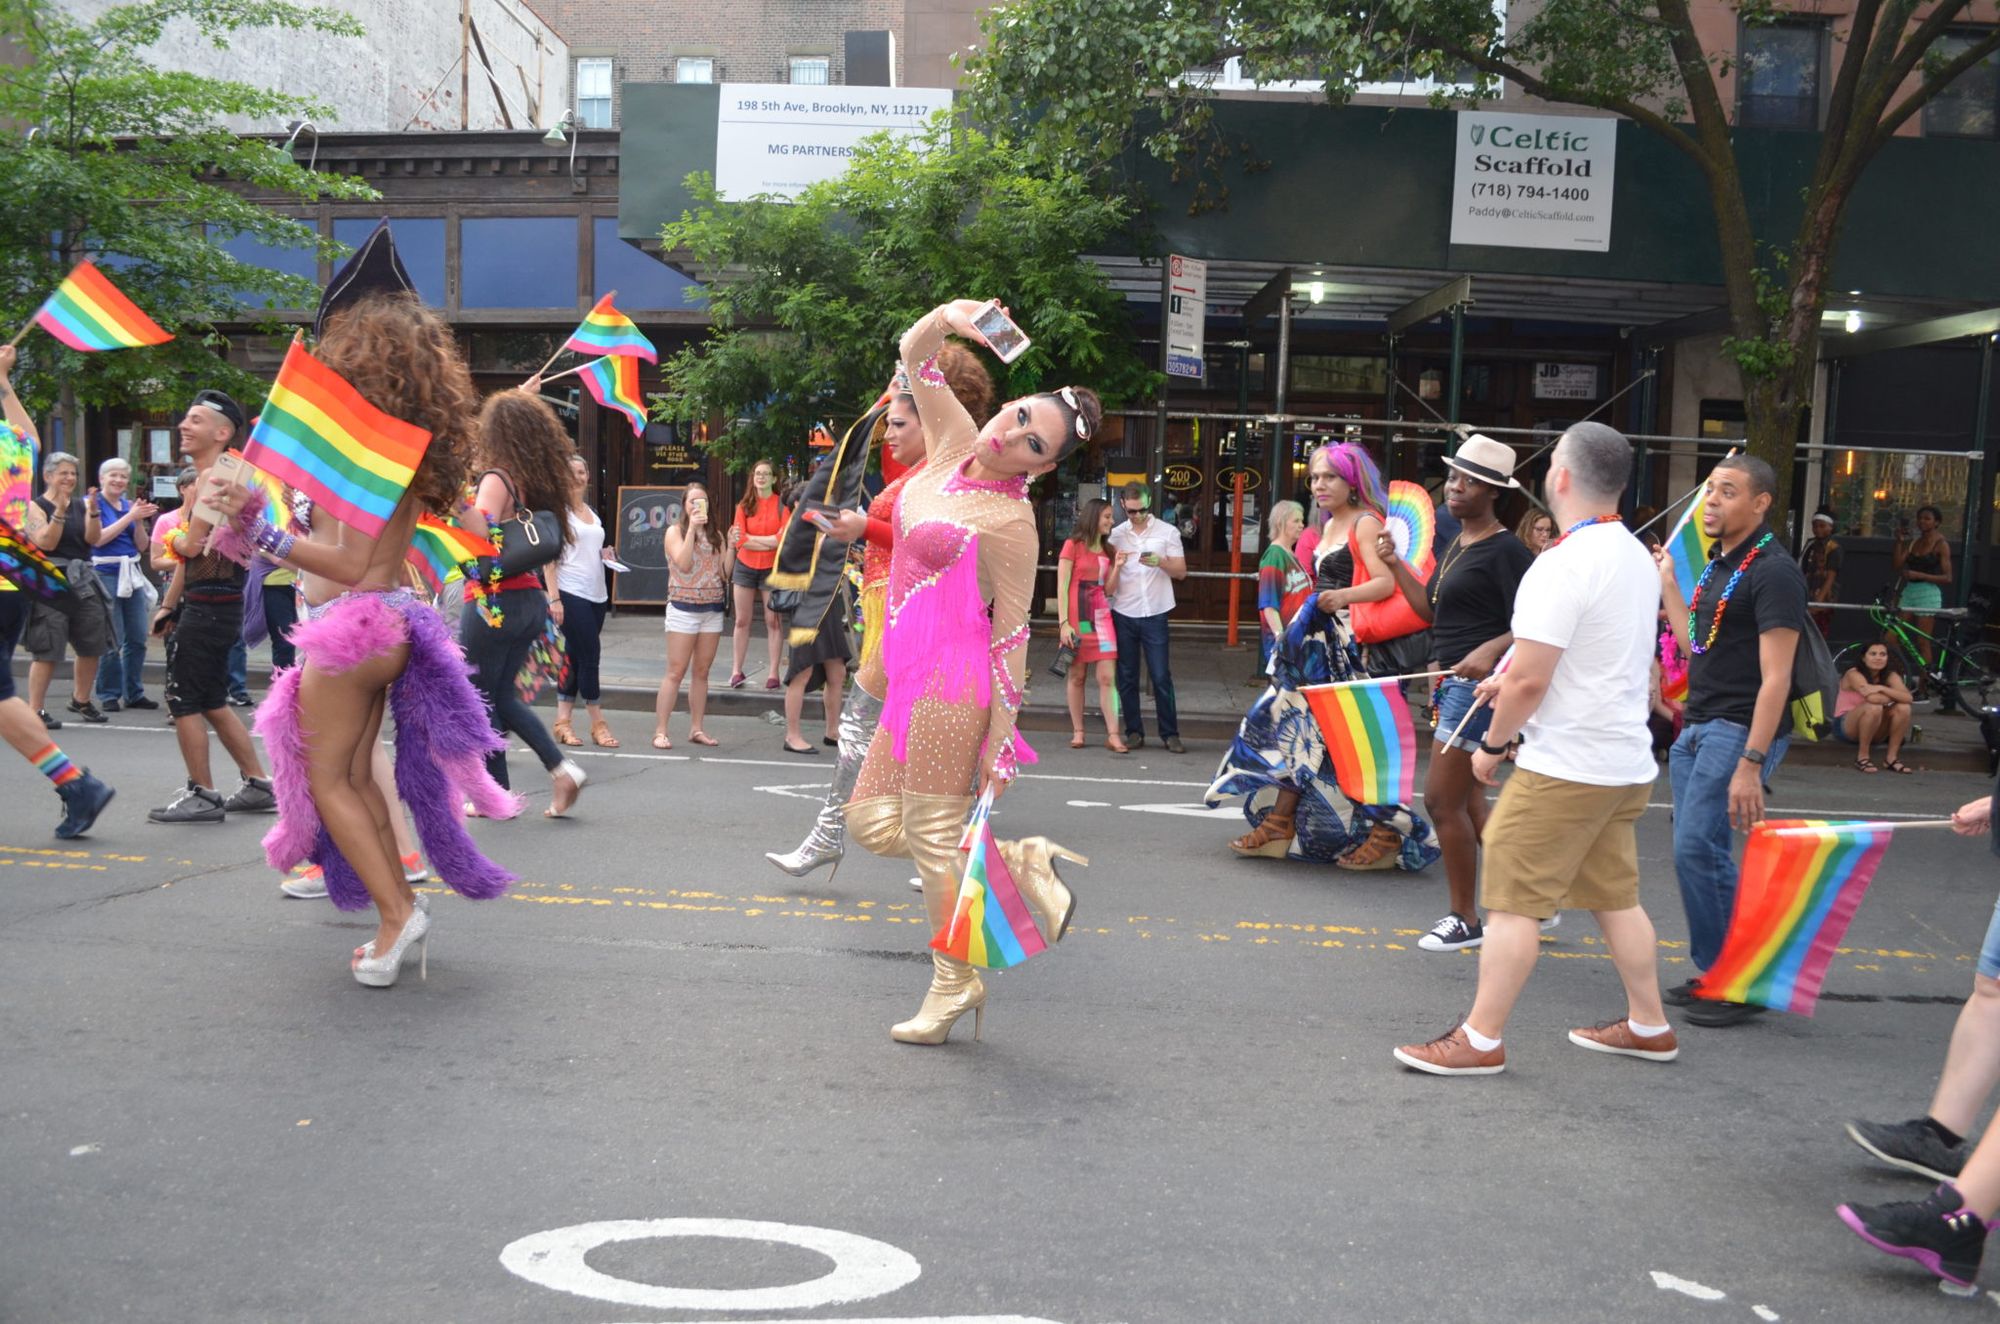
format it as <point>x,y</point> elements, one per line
<point>1815,683</point>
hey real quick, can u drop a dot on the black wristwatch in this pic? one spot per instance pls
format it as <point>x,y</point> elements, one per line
<point>1499,753</point>
<point>1754,756</point>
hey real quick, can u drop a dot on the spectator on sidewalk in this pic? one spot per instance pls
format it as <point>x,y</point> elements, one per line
<point>1282,582</point>
<point>64,524</point>
<point>753,539</point>
<point>581,588</point>
<point>119,551</point>
<point>1874,704</point>
<point>1821,564</point>
<point>1150,559</point>
<point>698,573</point>
<point>1086,575</point>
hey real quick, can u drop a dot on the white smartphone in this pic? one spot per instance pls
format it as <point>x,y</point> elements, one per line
<point>997,329</point>
<point>231,466</point>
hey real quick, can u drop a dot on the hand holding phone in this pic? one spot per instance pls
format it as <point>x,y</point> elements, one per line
<point>997,329</point>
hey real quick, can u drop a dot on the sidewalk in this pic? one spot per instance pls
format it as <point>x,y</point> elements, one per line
<point>1213,683</point>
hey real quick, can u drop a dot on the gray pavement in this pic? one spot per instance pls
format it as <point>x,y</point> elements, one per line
<point>1187,1112</point>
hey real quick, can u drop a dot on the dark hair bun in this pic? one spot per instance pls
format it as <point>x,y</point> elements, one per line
<point>1090,410</point>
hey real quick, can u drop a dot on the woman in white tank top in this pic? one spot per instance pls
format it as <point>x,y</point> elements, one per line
<point>580,580</point>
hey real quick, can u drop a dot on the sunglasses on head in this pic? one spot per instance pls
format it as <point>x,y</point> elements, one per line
<point>1068,396</point>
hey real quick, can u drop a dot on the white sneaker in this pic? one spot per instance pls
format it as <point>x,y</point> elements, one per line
<point>1552,921</point>
<point>307,886</point>
<point>916,884</point>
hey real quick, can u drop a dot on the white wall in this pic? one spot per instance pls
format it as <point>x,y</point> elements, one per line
<point>384,81</point>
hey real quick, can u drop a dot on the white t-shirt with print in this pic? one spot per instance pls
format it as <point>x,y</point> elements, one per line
<point>1596,596</point>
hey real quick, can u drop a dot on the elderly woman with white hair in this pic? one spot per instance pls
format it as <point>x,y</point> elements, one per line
<point>118,551</point>
<point>64,526</point>
<point>1282,583</point>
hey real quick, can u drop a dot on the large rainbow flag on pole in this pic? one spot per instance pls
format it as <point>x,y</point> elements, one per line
<point>1371,738</point>
<point>88,313</point>
<point>613,381</point>
<point>605,330</point>
<point>440,551</point>
<point>991,925</point>
<point>1688,545</point>
<point>1801,882</point>
<point>317,434</point>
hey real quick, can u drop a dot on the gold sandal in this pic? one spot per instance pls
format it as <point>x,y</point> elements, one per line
<point>565,733</point>
<point>600,735</point>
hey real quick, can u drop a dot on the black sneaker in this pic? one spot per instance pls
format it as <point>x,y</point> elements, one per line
<point>195,804</point>
<point>48,721</point>
<point>1912,1146</point>
<point>242,699</point>
<point>1453,933</point>
<point>1715,1015</point>
<point>255,796</point>
<point>83,800</point>
<point>1174,745</point>
<point>88,712</point>
<point>1681,994</point>
<point>141,702</point>
<point>1135,739</point>
<point>109,706</point>
<point>1938,1232</point>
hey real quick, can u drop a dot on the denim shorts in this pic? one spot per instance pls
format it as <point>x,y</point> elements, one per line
<point>1989,951</point>
<point>1454,700</point>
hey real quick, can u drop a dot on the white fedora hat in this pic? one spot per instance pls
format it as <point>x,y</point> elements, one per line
<point>1487,460</point>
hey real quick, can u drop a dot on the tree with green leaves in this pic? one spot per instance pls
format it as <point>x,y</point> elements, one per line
<point>807,297</point>
<point>1073,78</point>
<point>114,159</point>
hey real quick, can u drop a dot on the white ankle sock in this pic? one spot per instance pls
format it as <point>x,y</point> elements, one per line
<point>1647,1031</point>
<point>1478,1040</point>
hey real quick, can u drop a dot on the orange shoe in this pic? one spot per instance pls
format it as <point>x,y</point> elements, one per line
<point>1617,1037</point>
<point>1453,1055</point>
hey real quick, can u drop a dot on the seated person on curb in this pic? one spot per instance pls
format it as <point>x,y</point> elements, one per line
<point>1875,704</point>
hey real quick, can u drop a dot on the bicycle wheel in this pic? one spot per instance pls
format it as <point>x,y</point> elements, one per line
<point>1976,678</point>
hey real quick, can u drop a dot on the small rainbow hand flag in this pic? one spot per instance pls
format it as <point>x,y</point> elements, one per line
<point>88,313</point>
<point>990,926</point>
<point>440,551</point>
<point>27,567</point>
<point>605,330</point>
<point>317,434</point>
<point>613,381</point>
<point>1371,738</point>
<point>17,474</point>
<point>1689,546</point>
<point>1801,883</point>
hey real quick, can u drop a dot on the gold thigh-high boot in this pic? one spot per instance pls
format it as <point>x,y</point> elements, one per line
<point>1032,862</point>
<point>932,827</point>
<point>876,825</point>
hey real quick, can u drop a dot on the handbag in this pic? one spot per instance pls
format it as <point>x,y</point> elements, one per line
<point>784,601</point>
<point>1379,622</point>
<point>529,539</point>
<point>1064,659</point>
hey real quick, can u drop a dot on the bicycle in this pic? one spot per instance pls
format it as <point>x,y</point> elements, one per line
<point>1963,675</point>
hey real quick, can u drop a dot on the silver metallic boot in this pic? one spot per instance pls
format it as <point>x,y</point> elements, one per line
<point>827,841</point>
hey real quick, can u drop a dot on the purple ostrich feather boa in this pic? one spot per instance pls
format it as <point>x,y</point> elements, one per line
<point>442,738</point>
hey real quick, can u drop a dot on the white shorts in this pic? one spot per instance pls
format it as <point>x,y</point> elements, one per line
<point>693,622</point>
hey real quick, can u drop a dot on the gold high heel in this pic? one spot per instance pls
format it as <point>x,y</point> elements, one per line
<point>564,733</point>
<point>1032,862</point>
<point>955,989</point>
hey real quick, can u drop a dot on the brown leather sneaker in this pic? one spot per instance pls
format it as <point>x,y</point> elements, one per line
<point>1453,1055</point>
<point>1617,1037</point>
<point>1381,850</point>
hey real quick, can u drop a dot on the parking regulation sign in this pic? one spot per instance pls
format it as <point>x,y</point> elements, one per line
<point>1187,315</point>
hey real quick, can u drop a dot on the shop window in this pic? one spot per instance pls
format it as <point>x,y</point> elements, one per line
<point>517,262</point>
<point>1340,374</point>
<point>1873,494</point>
<point>642,280</point>
<point>809,70</point>
<point>593,93</point>
<point>252,251</point>
<point>1778,68</point>
<point>1722,420</point>
<point>694,69</point>
<point>1970,106</point>
<point>419,243</point>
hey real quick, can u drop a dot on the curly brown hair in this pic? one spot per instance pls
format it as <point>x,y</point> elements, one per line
<point>966,374</point>
<point>521,437</point>
<point>404,360</point>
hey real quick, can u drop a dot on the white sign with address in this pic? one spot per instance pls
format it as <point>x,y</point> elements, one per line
<point>777,138</point>
<point>1534,181</point>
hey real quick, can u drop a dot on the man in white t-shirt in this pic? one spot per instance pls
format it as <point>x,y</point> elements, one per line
<point>1150,559</point>
<point>1575,701</point>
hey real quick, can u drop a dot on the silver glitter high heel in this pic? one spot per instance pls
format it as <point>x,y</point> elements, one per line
<point>827,840</point>
<point>382,971</point>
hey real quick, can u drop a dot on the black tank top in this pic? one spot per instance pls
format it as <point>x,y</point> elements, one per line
<point>71,544</point>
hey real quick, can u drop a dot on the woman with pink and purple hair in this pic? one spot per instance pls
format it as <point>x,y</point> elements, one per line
<point>1278,761</point>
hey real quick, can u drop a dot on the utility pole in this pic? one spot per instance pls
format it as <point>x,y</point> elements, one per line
<point>464,64</point>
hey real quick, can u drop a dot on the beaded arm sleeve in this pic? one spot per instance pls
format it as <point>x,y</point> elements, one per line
<point>1007,557</point>
<point>948,430</point>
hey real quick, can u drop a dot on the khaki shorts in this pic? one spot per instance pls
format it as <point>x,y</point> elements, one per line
<point>1552,844</point>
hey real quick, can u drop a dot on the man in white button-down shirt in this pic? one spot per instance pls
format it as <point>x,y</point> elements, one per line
<point>1150,559</point>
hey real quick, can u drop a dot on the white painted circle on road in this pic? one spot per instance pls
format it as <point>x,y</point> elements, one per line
<point>862,1267</point>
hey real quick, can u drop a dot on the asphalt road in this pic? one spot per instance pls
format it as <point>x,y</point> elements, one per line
<point>1188,1112</point>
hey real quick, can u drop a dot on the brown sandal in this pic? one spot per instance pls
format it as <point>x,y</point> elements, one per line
<point>565,733</point>
<point>1381,850</point>
<point>1865,765</point>
<point>1271,838</point>
<point>600,735</point>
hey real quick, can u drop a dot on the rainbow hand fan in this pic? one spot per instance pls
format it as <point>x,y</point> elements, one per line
<point>991,925</point>
<point>1412,521</point>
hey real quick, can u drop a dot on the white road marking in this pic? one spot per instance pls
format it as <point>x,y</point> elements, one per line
<point>862,1267</point>
<point>1667,1282</point>
<point>1224,810</point>
<point>1764,1313</point>
<point>894,1319</point>
<point>81,1150</point>
<point>800,791</point>
<point>1088,804</point>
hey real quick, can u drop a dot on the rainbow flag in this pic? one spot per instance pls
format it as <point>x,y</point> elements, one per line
<point>990,926</point>
<point>613,381</point>
<point>26,567</point>
<point>1371,738</point>
<point>605,330</point>
<point>440,551</point>
<point>317,434</point>
<point>269,494</point>
<point>17,474</point>
<point>1689,546</point>
<point>1801,882</point>
<point>88,313</point>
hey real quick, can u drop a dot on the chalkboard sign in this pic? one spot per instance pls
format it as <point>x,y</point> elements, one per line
<point>644,516</point>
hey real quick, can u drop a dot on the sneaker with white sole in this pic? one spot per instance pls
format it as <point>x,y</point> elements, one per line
<point>307,884</point>
<point>1913,1146</point>
<point>255,796</point>
<point>1452,1054</point>
<point>1552,921</point>
<point>1617,1037</point>
<point>194,804</point>
<point>1453,933</point>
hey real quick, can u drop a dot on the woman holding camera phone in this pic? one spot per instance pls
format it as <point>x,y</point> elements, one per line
<point>698,570</point>
<point>1924,563</point>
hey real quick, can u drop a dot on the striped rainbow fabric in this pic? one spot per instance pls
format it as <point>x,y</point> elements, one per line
<point>613,381</point>
<point>605,330</point>
<point>317,434</point>
<point>990,925</point>
<point>1801,883</point>
<point>1689,546</point>
<point>88,313</point>
<point>17,474</point>
<point>1371,738</point>
<point>439,551</point>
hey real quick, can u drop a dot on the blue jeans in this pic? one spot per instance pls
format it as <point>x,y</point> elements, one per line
<point>239,668</point>
<point>1702,761</point>
<point>1148,633</point>
<point>121,673</point>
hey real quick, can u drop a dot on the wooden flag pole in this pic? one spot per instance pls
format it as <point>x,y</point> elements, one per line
<point>560,349</point>
<point>1377,680</point>
<point>1477,704</point>
<point>567,372</point>
<point>22,334</point>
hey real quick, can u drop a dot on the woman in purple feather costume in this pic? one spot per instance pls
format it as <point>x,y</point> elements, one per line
<point>366,633</point>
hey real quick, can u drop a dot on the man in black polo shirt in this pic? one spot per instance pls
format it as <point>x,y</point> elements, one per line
<point>1739,634</point>
<point>204,606</point>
